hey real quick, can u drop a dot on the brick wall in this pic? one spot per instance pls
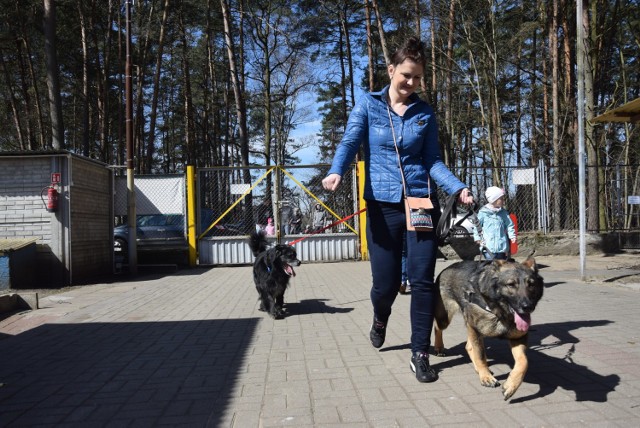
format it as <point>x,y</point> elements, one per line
<point>22,213</point>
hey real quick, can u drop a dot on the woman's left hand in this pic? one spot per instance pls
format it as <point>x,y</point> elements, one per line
<point>465,197</point>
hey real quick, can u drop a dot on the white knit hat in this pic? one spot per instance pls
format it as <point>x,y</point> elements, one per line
<point>493,193</point>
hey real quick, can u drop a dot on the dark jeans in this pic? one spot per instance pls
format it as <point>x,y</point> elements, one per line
<point>386,226</point>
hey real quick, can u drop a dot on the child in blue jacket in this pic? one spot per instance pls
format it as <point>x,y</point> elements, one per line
<point>497,226</point>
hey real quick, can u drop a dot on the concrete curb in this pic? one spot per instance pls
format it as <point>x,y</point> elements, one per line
<point>10,302</point>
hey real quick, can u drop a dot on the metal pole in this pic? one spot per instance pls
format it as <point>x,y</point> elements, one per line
<point>192,215</point>
<point>131,192</point>
<point>581,151</point>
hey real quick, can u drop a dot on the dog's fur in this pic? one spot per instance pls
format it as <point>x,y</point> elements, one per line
<point>496,299</point>
<point>272,269</point>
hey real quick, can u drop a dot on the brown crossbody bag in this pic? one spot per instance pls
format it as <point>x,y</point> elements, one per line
<point>417,210</point>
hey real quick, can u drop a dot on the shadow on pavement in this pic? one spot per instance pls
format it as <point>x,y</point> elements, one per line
<point>549,372</point>
<point>553,284</point>
<point>153,273</point>
<point>122,374</point>
<point>313,306</point>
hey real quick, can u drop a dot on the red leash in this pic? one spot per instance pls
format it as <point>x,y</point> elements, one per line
<point>342,220</point>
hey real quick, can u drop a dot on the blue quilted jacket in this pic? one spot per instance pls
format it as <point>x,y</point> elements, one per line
<point>417,139</point>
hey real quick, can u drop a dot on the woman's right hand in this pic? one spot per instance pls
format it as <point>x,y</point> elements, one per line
<point>331,182</point>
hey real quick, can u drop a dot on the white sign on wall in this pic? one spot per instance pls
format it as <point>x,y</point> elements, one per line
<point>633,200</point>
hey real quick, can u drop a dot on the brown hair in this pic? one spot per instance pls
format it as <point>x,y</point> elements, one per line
<point>412,49</point>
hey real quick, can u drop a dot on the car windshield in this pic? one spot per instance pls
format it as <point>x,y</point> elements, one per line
<point>160,220</point>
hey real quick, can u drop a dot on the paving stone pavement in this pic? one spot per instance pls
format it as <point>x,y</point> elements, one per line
<point>190,348</point>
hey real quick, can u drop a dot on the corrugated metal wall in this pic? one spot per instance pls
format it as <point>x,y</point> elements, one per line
<point>323,247</point>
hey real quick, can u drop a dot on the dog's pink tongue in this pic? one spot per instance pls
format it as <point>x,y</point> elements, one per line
<point>523,321</point>
<point>290,270</point>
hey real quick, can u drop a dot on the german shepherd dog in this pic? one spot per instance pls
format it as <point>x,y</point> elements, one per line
<point>496,299</point>
<point>272,269</point>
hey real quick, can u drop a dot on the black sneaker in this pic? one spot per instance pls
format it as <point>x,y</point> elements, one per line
<point>420,366</point>
<point>377,333</point>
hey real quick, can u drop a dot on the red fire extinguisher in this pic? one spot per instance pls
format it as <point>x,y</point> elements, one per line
<point>52,198</point>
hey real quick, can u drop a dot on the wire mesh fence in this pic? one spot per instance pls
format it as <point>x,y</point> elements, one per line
<point>548,199</point>
<point>234,201</point>
<point>524,192</point>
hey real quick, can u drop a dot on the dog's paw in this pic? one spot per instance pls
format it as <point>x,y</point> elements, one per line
<point>507,392</point>
<point>440,352</point>
<point>277,313</point>
<point>489,381</point>
<point>509,388</point>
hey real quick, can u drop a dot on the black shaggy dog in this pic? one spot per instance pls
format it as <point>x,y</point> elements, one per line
<point>272,270</point>
<point>496,300</point>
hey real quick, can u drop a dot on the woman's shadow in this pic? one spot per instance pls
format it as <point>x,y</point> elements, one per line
<point>549,372</point>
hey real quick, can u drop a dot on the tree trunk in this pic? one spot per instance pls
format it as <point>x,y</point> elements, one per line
<point>367,13</point>
<point>417,16</point>
<point>533,98</point>
<point>212,116</point>
<point>188,101</point>
<point>85,81</point>
<point>13,102</point>
<point>30,138</point>
<point>38,142</point>
<point>144,164</point>
<point>53,76</point>
<point>555,122</point>
<point>241,110</point>
<point>343,73</point>
<point>448,115</point>
<point>153,113</point>
<point>383,41</point>
<point>349,59</point>
<point>104,91</point>
<point>595,219</point>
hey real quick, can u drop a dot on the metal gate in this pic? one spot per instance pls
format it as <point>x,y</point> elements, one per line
<point>235,201</point>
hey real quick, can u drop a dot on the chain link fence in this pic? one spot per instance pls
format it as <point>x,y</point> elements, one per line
<point>234,201</point>
<point>524,195</point>
<point>547,200</point>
